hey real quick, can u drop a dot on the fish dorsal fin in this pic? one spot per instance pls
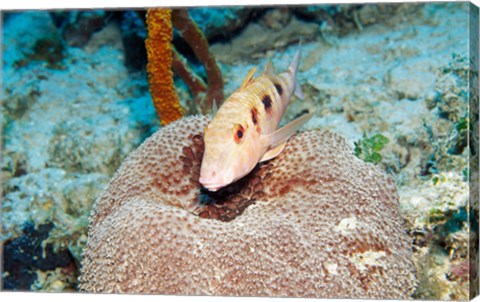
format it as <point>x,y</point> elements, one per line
<point>249,78</point>
<point>269,69</point>
<point>280,135</point>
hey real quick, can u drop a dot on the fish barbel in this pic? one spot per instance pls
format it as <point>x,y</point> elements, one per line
<point>244,130</point>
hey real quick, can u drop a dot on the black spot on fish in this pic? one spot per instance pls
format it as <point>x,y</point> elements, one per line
<point>279,88</point>
<point>267,103</point>
<point>254,115</point>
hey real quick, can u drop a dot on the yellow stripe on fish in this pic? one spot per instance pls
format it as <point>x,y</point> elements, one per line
<point>244,130</point>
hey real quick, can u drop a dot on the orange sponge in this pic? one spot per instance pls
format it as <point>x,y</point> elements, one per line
<point>159,54</point>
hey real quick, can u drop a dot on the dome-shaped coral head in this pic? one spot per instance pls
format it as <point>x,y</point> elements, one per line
<point>244,130</point>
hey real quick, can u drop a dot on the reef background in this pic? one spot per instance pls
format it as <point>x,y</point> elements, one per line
<point>75,103</point>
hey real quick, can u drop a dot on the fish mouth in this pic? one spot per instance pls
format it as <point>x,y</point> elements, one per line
<point>214,183</point>
<point>213,186</point>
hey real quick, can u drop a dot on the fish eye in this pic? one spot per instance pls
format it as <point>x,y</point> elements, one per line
<point>238,133</point>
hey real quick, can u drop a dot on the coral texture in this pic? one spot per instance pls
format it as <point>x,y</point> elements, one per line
<point>159,53</point>
<point>314,222</point>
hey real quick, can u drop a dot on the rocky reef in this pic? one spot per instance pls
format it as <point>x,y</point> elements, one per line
<point>64,133</point>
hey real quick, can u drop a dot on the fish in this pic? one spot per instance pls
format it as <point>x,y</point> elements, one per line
<point>244,131</point>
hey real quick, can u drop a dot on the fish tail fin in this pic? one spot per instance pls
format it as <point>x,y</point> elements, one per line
<point>298,91</point>
<point>296,60</point>
<point>292,70</point>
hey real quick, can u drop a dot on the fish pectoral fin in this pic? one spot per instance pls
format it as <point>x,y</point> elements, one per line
<point>249,78</point>
<point>282,134</point>
<point>273,152</point>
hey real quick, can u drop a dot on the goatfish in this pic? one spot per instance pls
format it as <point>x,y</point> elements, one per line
<point>243,132</point>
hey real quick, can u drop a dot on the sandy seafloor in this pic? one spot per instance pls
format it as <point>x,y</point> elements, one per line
<point>68,124</point>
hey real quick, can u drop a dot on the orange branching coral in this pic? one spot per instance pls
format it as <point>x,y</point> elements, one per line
<point>194,37</point>
<point>159,54</point>
<point>194,82</point>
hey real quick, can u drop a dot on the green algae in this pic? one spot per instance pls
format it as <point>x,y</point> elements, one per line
<point>369,148</point>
